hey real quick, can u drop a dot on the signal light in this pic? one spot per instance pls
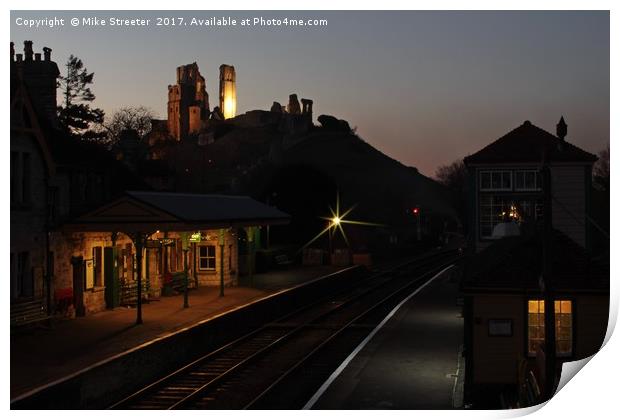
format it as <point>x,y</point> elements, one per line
<point>416,211</point>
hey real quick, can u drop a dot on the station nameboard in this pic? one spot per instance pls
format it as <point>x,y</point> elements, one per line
<point>152,243</point>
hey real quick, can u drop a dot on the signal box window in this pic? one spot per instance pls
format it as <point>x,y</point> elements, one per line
<point>563,327</point>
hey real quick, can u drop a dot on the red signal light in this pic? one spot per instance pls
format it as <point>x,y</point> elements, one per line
<point>416,211</point>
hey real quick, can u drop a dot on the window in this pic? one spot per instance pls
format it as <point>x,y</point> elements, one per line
<point>206,257</point>
<point>25,286</point>
<point>527,180</point>
<point>495,181</point>
<point>20,178</point>
<point>563,326</point>
<point>495,209</point>
<point>98,266</point>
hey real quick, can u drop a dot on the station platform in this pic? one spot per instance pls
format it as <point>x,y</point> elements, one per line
<point>42,355</point>
<point>412,362</point>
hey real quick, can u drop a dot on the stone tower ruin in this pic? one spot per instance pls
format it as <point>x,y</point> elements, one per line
<point>228,91</point>
<point>188,103</point>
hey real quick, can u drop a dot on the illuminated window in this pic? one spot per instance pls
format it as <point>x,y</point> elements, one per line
<point>98,266</point>
<point>206,257</point>
<point>563,326</point>
<point>495,209</point>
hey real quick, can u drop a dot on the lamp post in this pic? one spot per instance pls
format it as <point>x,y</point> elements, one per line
<point>221,243</point>
<point>550,349</point>
<point>138,239</point>
<point>334,223</point>
<point>250,240</point>
<point>268,240</point>
<point>185,244</point>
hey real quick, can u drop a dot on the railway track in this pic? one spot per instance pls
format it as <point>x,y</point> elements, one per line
<point>282,363</point>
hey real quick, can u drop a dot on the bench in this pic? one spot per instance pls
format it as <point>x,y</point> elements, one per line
<point>177,282</point>
<point>28,312</point>
<point>63,299</point>
<point>129,292</point>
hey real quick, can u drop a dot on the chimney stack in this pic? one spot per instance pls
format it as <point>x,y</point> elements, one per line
<point>38,77</point>
<point>28,50</point>
<point>561,129</point>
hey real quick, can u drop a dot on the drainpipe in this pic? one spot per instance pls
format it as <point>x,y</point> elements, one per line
<point>221,242</point>
<point>48,263</point>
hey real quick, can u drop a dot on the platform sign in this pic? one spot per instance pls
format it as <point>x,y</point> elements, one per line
<point>195,237</point>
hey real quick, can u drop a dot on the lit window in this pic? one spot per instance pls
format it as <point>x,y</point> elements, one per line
<point>563,326</point>
<point>206,257</point>
<point>494,209</point>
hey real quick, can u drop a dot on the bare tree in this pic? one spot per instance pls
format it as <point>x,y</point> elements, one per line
<point>453,176</point>
<point>128,118</point>
<point>601,171</point>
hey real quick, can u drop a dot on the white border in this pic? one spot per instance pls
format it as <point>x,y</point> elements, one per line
<point>591,394</point>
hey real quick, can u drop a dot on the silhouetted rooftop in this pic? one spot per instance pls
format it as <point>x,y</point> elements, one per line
<point>529,143</point>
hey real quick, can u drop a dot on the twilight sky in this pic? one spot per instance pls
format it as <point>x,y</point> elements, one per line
<point>426,88</point>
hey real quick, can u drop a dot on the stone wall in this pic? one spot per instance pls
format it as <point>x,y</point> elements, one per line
<point>28,213</point>
<point>81,244</point>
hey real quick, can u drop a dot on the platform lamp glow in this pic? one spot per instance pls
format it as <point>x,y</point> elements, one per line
<point>228,91</point>
<point>336,221</point>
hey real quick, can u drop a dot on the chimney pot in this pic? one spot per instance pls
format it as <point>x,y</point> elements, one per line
<point>47,53</point>
<point>37,56</point>
<point>19,57</point>
<point>28,50</point>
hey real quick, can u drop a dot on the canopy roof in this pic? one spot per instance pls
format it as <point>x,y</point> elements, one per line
<point>145,211</point>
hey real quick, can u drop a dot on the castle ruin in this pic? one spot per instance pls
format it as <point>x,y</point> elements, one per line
<point>188,103</point>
